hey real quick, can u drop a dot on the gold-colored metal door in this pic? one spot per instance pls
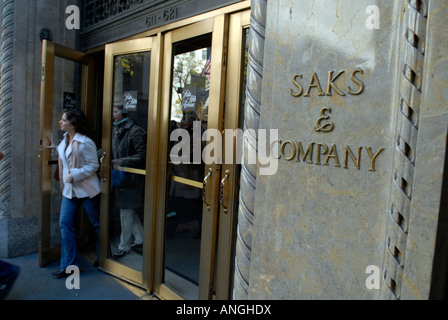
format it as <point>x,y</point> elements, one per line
<point>232,142</point>
<point>195,186</point>
<point>66,82</point>
<point>127,157</point>
<point>187,201</point>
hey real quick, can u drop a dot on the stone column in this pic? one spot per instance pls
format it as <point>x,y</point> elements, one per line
<point>249,171</point>
<point>6,74</point>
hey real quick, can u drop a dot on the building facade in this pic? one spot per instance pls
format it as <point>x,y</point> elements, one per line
<point>288,149</point>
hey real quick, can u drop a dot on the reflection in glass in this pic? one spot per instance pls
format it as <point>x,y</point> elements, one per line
<point>128,140</point>
<point>189,111</point>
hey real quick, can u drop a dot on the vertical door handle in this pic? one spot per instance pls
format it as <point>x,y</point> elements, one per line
<point>204,189</point>
<point>103,157</point>
<point>221,197</point>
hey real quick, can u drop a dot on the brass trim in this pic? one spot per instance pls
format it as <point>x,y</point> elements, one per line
<point>125,273</point>
<point>215,121</point>
<point>46,255</point>
<point>153,140</point>
<point>70,54</point>
<point>144,278</point>
<point>50,51</point>
<point>221,192</point>
<point>224,36</point>
<point>204,189</point>
<point>161,162</point>
<point>131,170</point>
<point>238,22</point>
<point>209,225</point>
<point>165,293</point>
<point>189,182</point>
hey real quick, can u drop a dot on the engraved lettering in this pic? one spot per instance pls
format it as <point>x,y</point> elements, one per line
<point>270,149</point>
<point>326,127</point>
<point>334,155</point>
<point>325,155</point>
<point>358,82</point>
<point>170,14</point>
<point>320,152</point>
<point>161,17</point>
<point>314,84</point>
<point>293,153</point>
<point>299,87</point>
<point>373,157</point>
<point>151,20</point>
<point>356,161</point>
<point>331,83</point>
<point>308,154</point>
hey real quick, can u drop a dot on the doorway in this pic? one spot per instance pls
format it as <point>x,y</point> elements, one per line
<point>203,85</point>
<point>169,176</point>
<point>57,93</point>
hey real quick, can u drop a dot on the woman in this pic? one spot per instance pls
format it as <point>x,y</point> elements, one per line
<point>78,165</point>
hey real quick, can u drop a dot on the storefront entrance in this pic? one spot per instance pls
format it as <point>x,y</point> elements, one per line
<point>169,171</point>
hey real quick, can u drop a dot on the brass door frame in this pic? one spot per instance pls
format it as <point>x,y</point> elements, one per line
<point>51,50</point>
<point>142,279</point>
<point>217,27</point>
<point>225,90</point>
<point>238,22</point>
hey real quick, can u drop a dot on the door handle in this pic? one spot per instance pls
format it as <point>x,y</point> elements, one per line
<point>221,197</point>
<point>103,157</point>
<point>204,189</point>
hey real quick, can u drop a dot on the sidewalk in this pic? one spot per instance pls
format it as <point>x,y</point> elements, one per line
<point>36,283</point>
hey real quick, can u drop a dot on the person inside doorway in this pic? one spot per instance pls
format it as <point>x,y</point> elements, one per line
<point>128,151</point>
<point>80,184</point>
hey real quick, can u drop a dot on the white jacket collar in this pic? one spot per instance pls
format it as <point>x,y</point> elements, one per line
<point>78,137</point>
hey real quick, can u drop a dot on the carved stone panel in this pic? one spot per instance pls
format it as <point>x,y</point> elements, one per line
<point>344,84</point>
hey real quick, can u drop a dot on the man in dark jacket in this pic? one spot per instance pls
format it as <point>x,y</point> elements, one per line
<point>128,151</point>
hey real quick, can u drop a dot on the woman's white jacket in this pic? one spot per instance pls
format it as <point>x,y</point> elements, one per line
<point>83,165</point>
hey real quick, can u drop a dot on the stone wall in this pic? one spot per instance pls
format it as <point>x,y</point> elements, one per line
<point>356,209</point>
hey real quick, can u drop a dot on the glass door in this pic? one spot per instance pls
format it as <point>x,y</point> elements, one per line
<point>192,104</point>
<point>66,82</point>
<point>195,202</point>
<point>126,160</point>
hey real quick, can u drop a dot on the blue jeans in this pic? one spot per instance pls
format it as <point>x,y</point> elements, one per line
<point>69,208</point>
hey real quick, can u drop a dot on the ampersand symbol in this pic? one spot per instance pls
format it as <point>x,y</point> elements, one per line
<point>324,127</point>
